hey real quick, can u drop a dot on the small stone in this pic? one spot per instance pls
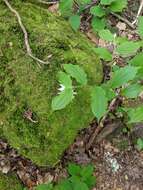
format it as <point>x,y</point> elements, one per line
<point>126,177</point>
<point>121,26</point>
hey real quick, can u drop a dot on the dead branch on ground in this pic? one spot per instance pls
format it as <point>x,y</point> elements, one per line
<point>26,39</point>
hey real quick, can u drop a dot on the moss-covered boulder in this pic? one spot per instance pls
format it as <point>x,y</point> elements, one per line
<point>10,182</point>
<point>24,86</point>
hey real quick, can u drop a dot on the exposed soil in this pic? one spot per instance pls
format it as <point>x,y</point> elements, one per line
<point>119,166</point>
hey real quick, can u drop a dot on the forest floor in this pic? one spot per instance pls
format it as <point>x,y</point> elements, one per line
<point>119,164</point>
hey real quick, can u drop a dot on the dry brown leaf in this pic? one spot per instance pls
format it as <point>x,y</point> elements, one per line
<point>102,43</point>
<point>92,37</point>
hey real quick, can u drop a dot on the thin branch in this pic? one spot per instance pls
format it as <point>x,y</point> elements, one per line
<point>91,4</point>
<point>139,12</point>
<point>93,136</point>
<point>48,2</point>
<point>95,133</point>
<point>124,20</point>
<point>99,128</point>
<point>26,40</point>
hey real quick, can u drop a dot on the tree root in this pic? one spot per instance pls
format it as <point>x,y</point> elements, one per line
<point>26,40</point>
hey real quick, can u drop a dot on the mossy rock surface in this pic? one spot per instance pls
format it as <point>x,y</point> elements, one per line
<point>23,85</point>
<point>10,182</point>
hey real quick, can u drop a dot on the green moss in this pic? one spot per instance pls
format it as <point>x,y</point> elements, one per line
<point>24,85</point>
<point>9,182</point>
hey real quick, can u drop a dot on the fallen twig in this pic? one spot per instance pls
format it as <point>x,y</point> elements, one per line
<point>108,130</point>
<point>48,2</point>
<point>139,12</point>
<point>26,40</point>
<point>95,133</point>
<point>99,128</point>
<point>91,4</point>
<point>124,20</point>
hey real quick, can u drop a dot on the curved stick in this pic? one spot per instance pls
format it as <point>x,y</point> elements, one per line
<point>26,40</point>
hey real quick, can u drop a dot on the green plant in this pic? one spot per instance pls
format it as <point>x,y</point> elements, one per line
<point>124,82</point>
<point>80,178</point>
<point>140,143</point>
<point>100,10</point>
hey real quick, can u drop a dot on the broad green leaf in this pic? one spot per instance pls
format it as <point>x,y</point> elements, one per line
<point>87,175</point>
<point>115,68</point>
<point>78,184</point>
<point>137,60</point>
<point>135,114</point>
<point>106,2</point>
<point>140,143</point>
<point>132,91</point>
<point>90,181</point>
<point>98,24</point>
<point>97,11</point>
<point>62,100</point>
<point>64,185</point>
<point>76,72</point>
<point>106,35</point>
<point>66,92</point>
<point>140,74</point>
<point>110,94</point>
<point>66,7</point>
<point>74,169</point>
<point>104,54</point>
<point>86,171</point>
<point>127,49</point>
<point>140,26</point>
<point>75,22</point>
<point>120,40</point>
<point>118,5</point>
<point>99,102</point>
<point>123,76</point>
<point>64,79</point>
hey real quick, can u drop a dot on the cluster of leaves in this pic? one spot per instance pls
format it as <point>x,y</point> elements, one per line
<point>66,91</point>
<point>124,81</point>
<point>99,12</point>
<point>79,178</point>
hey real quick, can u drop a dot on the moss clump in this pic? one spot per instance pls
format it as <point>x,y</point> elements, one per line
<point>23,85</point>
<point>9,182</point>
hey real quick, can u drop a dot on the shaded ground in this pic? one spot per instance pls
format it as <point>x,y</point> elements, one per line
<point>118,167</point>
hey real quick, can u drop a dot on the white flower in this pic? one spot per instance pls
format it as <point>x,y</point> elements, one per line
<point>62,88</point>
